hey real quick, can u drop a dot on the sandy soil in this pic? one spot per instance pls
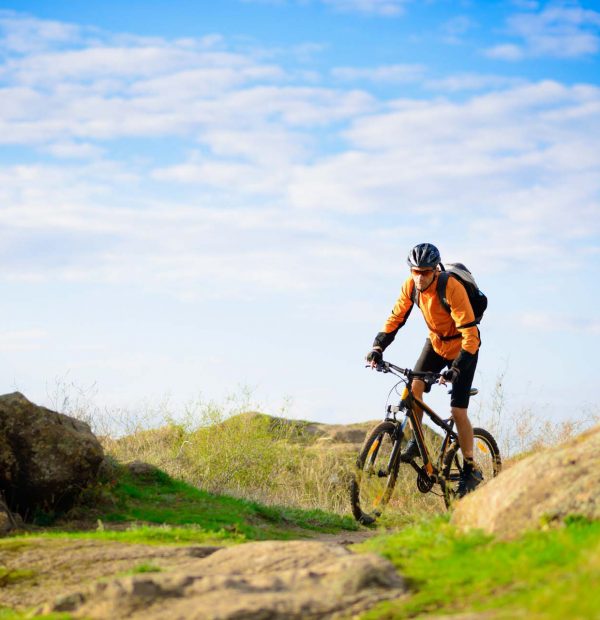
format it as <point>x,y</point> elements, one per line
<point>64,566</point>
<point>61,567</point>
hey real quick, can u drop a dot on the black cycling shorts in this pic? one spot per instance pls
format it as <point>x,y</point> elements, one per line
<point>430,361</point>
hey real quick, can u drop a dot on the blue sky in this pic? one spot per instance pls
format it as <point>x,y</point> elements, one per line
<point>196,196</point>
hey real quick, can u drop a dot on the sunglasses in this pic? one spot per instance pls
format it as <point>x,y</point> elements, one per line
<point>421,272</point>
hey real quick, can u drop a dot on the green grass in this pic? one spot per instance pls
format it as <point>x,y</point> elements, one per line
<point>250,455</point>
<point>144,567</point>
<point>551,574</point>
<point>9,576</point>
<point>10,614</point>
<point>163,500</point>
<point>159,509</point>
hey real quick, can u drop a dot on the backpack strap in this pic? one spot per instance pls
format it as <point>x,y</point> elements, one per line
<point>442,284</point>
<point>441,291</point>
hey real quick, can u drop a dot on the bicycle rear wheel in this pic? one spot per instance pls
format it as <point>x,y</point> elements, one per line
<point>486,455</point>
<point>376,473</point>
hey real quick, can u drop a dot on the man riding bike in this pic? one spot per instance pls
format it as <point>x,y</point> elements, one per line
<point>453,342</point>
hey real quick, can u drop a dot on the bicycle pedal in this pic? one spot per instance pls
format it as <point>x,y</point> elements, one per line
<point>424,483</point>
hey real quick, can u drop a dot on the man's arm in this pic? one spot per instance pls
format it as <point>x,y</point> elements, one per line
<point>397,318</point>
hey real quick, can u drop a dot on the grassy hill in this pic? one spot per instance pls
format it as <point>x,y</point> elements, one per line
<point>139,506</point>
<point>271,460</point>
<point>254,477</point>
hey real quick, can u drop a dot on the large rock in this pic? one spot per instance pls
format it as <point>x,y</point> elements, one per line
<point>46,457</point>
<point>256,580</point>
<point>543,488</point>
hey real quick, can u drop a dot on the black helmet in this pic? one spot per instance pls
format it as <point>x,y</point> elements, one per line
<point>424,256</point>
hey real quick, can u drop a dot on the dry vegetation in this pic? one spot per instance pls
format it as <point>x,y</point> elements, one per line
<point>524,431</point>
<point>220,447</point>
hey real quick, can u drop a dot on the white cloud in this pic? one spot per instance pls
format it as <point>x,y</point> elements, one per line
<point>22,340</point>
<point>506,51</point>
<point>455,29</point>
<point>526,155</point>
<point>385,74</point>
<point>383,8</point>
<point>386,8</point>
<point>554,322</point>
<point>256,165</point>
<point>526,4</point>
<point>23,34</point>
<point>562,30</point>
<point>74,150</point>
<point>166,88</point>
<point>473,81</point>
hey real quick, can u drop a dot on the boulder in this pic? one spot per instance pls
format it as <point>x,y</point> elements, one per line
<point>46,457</point>
<point>142,471</point>
<point>6,521</point>
<point>541,489</point>
<point>270,579</point>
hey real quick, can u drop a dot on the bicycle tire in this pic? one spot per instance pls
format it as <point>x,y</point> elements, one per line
<point>371,486</point>
<point>486,455</point>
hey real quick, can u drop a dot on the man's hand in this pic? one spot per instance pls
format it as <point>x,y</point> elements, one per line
<point>450,375</point>
<point>375,357</point>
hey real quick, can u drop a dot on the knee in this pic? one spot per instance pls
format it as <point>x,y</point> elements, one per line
<point>459,414</point>
<point>418,387</point>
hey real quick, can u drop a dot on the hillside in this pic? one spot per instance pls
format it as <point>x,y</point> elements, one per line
<point>142,543</point>
<point>268,459</point>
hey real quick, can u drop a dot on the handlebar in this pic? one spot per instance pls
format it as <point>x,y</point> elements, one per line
<point>428,377</point>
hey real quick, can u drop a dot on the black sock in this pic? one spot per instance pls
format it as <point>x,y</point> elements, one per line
<point>467,465</point>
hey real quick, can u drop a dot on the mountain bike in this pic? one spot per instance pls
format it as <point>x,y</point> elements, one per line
<point>379,460</point>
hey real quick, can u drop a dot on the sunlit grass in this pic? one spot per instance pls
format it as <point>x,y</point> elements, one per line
<point>158,509</point>
<point>544,574</point>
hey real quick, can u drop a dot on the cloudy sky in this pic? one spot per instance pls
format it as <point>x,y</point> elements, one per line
<point>197,196</point>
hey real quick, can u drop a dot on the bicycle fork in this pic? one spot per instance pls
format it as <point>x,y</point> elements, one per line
<point>394,454</point>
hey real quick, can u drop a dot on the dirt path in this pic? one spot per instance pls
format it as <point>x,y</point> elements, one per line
<point>346,539</point>
<point>100,579</point>
<point>44,569</point>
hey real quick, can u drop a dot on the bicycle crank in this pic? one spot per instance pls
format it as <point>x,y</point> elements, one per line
<point>424,482</point>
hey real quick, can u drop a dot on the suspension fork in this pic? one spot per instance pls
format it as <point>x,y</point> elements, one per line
<point>397,446</point>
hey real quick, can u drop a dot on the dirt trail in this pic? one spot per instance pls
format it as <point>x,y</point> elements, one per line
<point>315,578</point>
<point>60,567</point>
<point>347,539</point>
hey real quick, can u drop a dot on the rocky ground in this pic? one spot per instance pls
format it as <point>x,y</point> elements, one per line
<point>542,489</point>
<point>294,579</point>
<point>317,578</point>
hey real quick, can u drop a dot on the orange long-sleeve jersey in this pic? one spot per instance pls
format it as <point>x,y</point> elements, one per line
<point>445,329</point>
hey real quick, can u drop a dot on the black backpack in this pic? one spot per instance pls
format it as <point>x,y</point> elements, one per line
<point>478,300</point>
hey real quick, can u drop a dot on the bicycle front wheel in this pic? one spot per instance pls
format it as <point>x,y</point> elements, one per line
<point>376,473</point>
<point>486,455</point>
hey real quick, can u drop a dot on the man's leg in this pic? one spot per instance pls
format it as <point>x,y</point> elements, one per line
<point>471,475</point>
<point>418,387</point>
<point>465,431</point>
<point>429,361</point>
<point>459,403</point>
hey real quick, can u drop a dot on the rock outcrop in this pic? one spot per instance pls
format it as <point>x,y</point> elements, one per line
<point>256,580</point>
<point>543,488</point>
<point>46,457</point>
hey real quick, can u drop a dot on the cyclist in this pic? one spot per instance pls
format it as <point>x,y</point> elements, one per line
<point>453,342</point>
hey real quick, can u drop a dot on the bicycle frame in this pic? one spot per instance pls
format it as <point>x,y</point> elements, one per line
<point>441,464</point>
<point>408,402</point>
